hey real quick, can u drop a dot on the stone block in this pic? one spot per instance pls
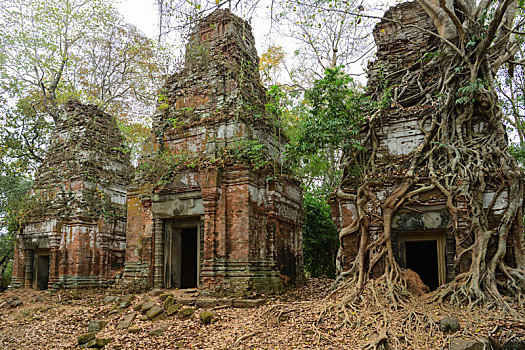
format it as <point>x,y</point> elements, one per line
<point>96,325</point>
<point>85,337</point>
<point>168,302</point>
<point>466,344</point>
<point>125,304</point>
<point>248,303</point>
<point>154,312</point>
<point>186,301</point>
<point>159,330</point>
<point>206,303</point>
<point>186,312</point>
<point>206,316</point>
<point>147,306</point>
<point>125,322</point>
<point>134,330</point>
<point>449,324</point>
<point>155,292</point>
<point>164,296</point>
<point>173,309</point>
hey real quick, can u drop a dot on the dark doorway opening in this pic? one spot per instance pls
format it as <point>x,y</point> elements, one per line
<point>188,258</point>
<point>422,257</point>
<point>40,278</point>
<point>43,272</point>
<point>181,255</point>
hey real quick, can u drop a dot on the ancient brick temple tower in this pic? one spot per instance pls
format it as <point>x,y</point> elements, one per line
<point>213,206</point>
<point>75,236</point>
<point>423,236</point>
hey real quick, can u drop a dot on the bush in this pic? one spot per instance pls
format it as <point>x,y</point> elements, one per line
<point>320,238</point>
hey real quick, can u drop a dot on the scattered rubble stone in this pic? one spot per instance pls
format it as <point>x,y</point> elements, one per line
<point>125,304</point>
<point>125,322</point>
<point>173,309</point>
<point>158,330</point>
<point>154,312</point>
<point>186,312</point>
<point>147,306</point>
<point>38,299</point>
<point>206,303</point>
<point>113,312</point>
<point>168,302</point>
<point>16,303</point>
<point>449,324</point>
<point>130,297</point>
<point>206,316</point>
<point>97,343</point>
<point>164,296</point>
<point>85,337</point>
<point>186,301</point>
<point>514,345</point>
<point>248,303</point>
<point>110,299</point>
<point>11,299</point>
<point>466,344</point>
<point>138,307</point>
<point>155,292</point>
<point>97,325</point>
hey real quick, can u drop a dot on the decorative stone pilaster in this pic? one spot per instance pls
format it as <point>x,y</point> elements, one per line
<point>28,262</point>
<point>158,280</point>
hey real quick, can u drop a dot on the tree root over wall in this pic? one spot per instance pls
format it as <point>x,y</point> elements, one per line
<point>456,160</point>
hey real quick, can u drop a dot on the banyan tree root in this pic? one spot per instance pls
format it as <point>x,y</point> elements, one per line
<point>370,314</point>
<point>459,162</point>
<point>371,321</point>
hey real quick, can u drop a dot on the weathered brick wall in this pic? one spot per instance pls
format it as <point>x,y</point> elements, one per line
<point>209,110</point>
<point>81,192</point>
<point>400,46</point>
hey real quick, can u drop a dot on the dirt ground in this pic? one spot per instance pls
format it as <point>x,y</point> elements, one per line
<point>54,320</point>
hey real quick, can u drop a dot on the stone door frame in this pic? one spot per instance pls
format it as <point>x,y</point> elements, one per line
<point>424,236</point>
<point>37,253</point>
<point>169,244</point>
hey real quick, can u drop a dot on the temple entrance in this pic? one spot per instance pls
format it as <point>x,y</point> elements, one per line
<point>181,255</point>
<point>422,258</point>
<point>424,253</point>
<point>40,269</point>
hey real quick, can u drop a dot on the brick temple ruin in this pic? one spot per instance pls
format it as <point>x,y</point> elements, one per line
<point>75,237</point>
<point>217,220</point>
<point>422,237</point>
<point>220,211</point>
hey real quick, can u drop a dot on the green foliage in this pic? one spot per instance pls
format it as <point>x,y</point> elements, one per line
<point>327,125</point>
<point>276,98</point>
<point>336,109</point>
<point>13,202</point>
<point>55,50</point>
<point>465,93</point>
<point>518,152</point>
<point>13,199</point>
<point>320,239</point>
<point>160,167</point>
<point>6,273</point>
<point>24,131</point>
<point>251,151</point>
